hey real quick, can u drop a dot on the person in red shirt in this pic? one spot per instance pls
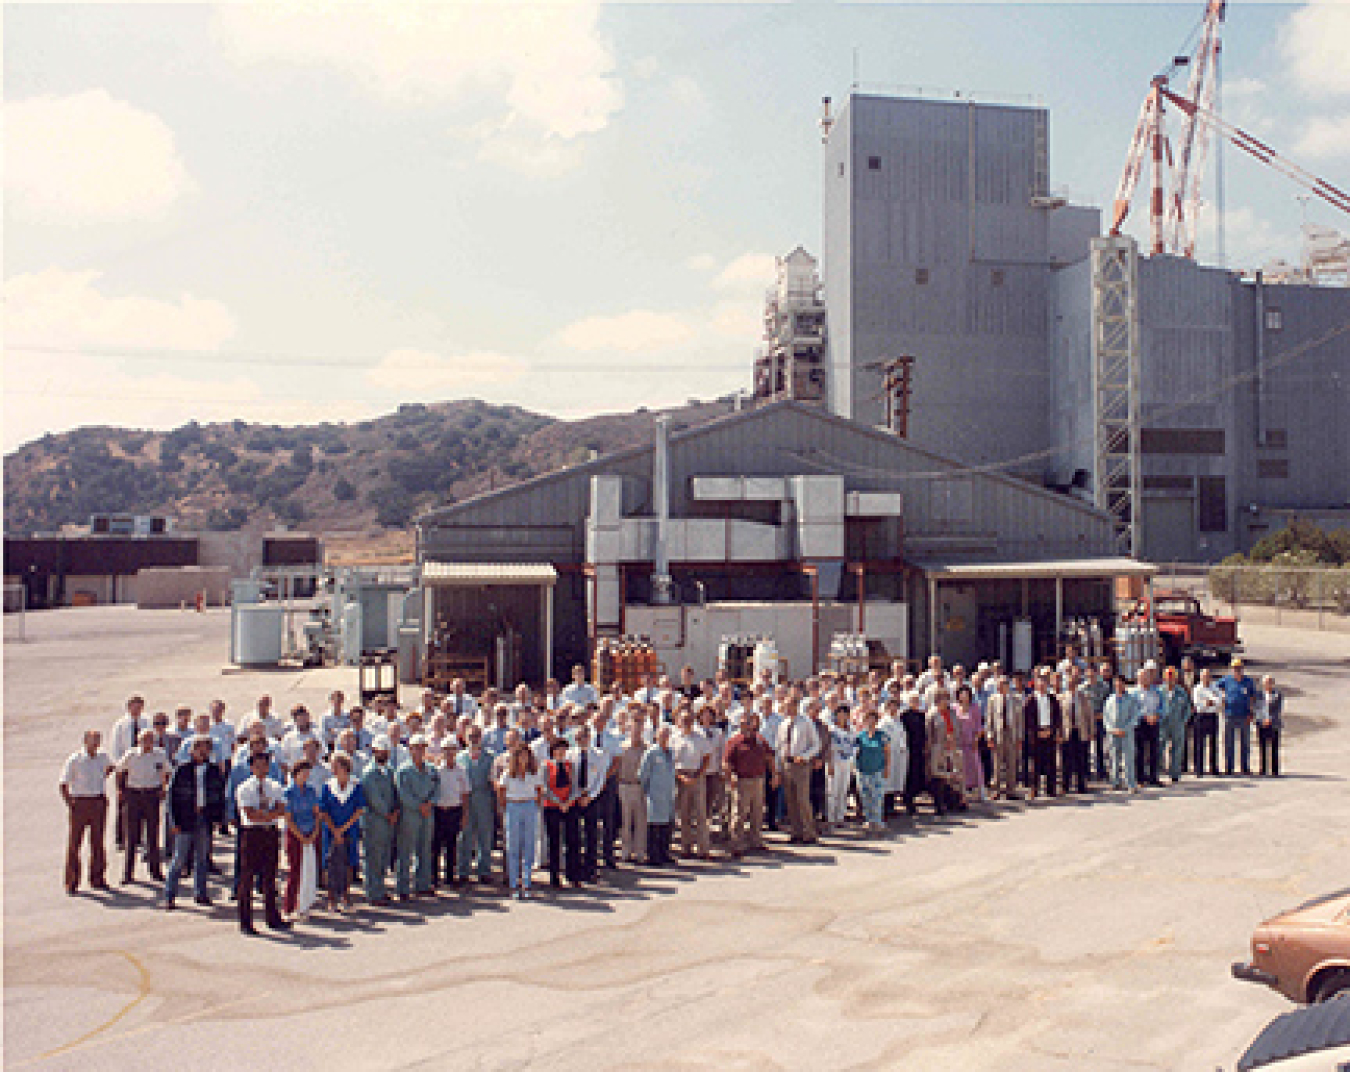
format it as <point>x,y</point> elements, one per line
<point>749,764</point>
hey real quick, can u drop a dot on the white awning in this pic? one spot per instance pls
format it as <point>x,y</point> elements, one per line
<point>1069,568</point>
<point>481,573</point>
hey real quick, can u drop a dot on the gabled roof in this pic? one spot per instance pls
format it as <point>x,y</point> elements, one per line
<point>777,410</point>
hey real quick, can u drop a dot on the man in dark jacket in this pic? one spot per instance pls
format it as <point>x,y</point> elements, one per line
<point>916,738</point>
<point>196,808</point>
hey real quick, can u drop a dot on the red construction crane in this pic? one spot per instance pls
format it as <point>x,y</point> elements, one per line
<point>1172,222</point>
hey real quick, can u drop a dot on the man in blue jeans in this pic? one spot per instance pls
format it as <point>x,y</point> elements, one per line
<point>196,808</point>
<point>1239,691</point>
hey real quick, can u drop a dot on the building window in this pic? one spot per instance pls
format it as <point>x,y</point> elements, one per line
<point>1274,321</point>
<point>1213,504</point>
<point>1181,440</point>
<point>1169,483</point>
<point>874,163</point>
<point>921,276</point>
<point>996,277</point>
<point>1277,438</point>
<point>1272,468</point>
<point>841,169</point>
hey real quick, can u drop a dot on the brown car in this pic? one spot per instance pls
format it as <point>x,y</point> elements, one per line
<point>1303,953</point>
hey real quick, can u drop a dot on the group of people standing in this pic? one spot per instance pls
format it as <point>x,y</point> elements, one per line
<point>580,781</point>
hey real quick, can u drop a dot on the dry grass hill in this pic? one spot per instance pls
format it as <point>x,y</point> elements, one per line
<point>328,478</point>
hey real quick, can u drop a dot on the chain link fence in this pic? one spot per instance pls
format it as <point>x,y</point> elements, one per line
<point>1304,597</point>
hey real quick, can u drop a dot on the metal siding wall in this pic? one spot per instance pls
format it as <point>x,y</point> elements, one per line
<point>837,260</point>
<point>782,441</point>
<point>981,349</point>
<point>1307,397</point>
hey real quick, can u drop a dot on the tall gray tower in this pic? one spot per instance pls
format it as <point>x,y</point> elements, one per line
<point>941,235</point>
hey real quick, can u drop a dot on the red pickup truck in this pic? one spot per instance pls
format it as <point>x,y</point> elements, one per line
<point>1184,629</point>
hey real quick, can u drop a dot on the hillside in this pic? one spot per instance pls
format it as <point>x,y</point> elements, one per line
<point>326,477</point>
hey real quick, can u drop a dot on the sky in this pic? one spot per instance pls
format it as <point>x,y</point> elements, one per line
<point>298,212</point>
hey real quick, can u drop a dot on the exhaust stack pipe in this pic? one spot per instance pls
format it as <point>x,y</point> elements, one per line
<point>663,585</point>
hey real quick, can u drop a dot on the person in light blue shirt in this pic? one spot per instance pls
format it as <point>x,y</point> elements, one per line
<point>1239,694</point>
<point>579,691</point>
<point>1148,730</point>
<point>201,726</point>
<point>494,739</point>
<point>657,775</point>
<point>1176,721</point>
<point>302,835</point>
<point>1120,716</point>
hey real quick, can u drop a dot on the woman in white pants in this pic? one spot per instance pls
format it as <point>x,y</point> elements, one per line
<point>893,726</point>
<point>844,743</point>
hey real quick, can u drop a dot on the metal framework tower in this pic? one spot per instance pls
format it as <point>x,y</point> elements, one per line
<point>791,363</point>
<point>1115,384</point>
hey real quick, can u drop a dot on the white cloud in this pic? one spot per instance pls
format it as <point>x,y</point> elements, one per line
<point>1325,138</point>
<point>545,66</point>
<point>755,271</point>
<point>1250,240</point>
<point>1316,45</point>
<point>686,92</point>
<point>56,324</point>
<point>739,320</point>
<point>1244,88</point>
<point>89,158</point>
<point>417,373</point>
<point>56,308</point>
<point>640,329</point>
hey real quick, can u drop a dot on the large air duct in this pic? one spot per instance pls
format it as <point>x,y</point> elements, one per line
<point>663,586</point>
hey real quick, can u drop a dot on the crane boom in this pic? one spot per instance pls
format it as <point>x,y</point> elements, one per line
<point>1331,194</point>
<point>1193,143</point>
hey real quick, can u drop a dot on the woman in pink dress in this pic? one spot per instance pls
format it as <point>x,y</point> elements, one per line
<point>970,724</point>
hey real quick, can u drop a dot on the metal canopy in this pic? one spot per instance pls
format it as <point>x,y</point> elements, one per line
<point>447,574</point>
<point>1063,568</point>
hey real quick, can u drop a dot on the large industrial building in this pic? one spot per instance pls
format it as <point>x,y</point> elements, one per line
<point>782,520</point>
<point>944,242</point>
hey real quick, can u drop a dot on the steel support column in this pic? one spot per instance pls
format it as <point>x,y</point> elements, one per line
<point>1115,385</point>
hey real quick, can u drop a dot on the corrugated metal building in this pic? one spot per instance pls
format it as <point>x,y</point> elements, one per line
<point>951,516</point>
<point>942,240</point>
<point>941,237</point>
<point>1243,403</point>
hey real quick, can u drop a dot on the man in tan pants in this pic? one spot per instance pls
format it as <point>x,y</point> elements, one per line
<point>691,801</point>
<point>1004,726</point>
<point>798,746</point>
<point>632,801</point>
<point>748,763</point>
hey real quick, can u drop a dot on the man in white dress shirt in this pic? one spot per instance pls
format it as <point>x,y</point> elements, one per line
<point>691,752</point>
<point>293,741</point>
<point>142,773</point>
<point>335,719</point>
<point>261,806</point>
<point>590,765</point>
<point>798,746</point>
<point>458,702</point>
<point>82,788</point>
<point>126,732</point>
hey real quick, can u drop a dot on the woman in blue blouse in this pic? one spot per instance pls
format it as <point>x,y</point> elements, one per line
<point>873,767</point>
<point>302,831</point>
<point>341,806</point>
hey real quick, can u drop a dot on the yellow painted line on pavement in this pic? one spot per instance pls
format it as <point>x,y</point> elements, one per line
<point>142,992</point>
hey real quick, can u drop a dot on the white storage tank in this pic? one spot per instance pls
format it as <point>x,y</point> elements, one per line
<point>256,634</point>
<point>766,658</point>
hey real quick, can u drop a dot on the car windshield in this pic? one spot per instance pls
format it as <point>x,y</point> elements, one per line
<point>1174,606</point>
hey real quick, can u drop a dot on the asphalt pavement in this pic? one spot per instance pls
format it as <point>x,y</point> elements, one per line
<point>1087,932</point>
